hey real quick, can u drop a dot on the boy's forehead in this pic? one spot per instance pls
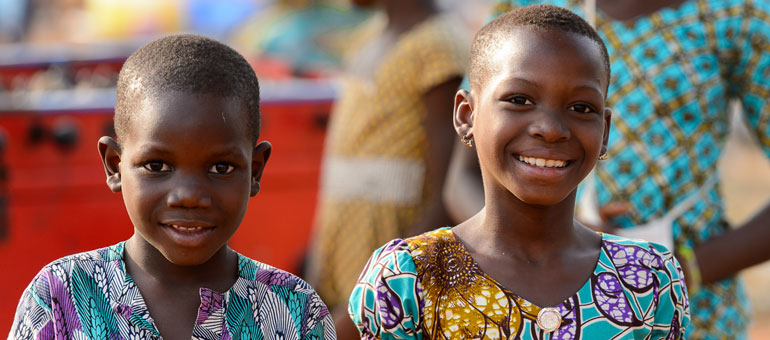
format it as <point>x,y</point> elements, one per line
<point>188,108</point>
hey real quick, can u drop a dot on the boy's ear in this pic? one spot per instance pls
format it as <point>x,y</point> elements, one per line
<point>258,160</point>
<point>109,151</point>
<point>606,135</point>
<point>463,113</point>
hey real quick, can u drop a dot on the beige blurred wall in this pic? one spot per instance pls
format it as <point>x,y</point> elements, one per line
<point>745,172</point>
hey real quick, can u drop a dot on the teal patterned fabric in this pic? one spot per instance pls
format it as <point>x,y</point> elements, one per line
<point>429,287</point>
<point>90,296</point>
<point>674,75</point>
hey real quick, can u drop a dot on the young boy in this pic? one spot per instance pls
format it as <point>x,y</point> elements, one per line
<point>186,160</point>
<point>522,268</point>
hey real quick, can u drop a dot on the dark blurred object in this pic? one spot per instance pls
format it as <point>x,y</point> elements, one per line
<point>64,133</point>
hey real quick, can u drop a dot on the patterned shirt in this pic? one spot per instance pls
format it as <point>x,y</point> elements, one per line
<point>674,73</point>
<point>430,287</point>
<point>90,296</point>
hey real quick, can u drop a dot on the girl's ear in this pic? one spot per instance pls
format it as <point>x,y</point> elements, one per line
<point>258,160</point>
<point>606,136</point>
<point>463,114</point>
<point>109,151</point>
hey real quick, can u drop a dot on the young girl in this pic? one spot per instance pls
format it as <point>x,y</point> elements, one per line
<point>522,268</point>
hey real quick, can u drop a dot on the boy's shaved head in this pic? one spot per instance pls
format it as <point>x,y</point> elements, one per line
<point>186,63</point>
<point>546,17</point>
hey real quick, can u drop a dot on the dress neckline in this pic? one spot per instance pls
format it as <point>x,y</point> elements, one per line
<point>602,258</point>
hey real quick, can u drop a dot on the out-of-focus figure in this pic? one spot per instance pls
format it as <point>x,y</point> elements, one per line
<point>388,143</point>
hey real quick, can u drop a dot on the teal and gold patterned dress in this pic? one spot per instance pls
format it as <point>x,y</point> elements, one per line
<point>429,287</point>
<point>90,296</point>
<point>674,74</point>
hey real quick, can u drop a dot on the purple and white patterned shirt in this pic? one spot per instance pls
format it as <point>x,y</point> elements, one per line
<point>90,296</point>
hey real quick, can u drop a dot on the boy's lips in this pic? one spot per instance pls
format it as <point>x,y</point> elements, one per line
<point>188,233</point>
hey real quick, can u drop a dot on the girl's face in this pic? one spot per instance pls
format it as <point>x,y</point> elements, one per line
<point>538,119</point>
<point>187,170</point>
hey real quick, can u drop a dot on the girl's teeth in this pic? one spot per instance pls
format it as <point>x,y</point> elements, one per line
<point>542,162</point>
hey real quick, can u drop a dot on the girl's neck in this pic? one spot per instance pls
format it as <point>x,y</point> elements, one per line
<point>623,10</point>
<point>218,273</point>
<point>535,233</point>
<point>405,14</point>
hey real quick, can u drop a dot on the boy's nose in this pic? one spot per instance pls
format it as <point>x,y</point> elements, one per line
<point>188,195</point>
<point>549,125</point>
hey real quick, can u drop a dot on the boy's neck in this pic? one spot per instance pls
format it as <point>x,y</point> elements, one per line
<point>218,273</point>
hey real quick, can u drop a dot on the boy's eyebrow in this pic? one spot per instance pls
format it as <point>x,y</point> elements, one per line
<point>529,82</point>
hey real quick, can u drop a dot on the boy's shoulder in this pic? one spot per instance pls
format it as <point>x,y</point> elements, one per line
<point>262,274</point>
<point>101,255</point>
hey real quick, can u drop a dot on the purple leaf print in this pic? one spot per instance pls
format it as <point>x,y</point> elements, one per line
<point>273,277</point>
<point>211,302</point>
<point>674,332</point>
<point>570,327</point>
<point>635,266</point>
<point>65,316</point>
<point>390,308</point>
<point>612,302</point>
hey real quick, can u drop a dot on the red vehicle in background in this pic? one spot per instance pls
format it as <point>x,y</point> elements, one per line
<point>53,196</point>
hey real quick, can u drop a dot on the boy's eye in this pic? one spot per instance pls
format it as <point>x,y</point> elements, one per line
<point>582,108</point>
<point>221,168</point>
<point>156,166</point>
<point>521,100</point>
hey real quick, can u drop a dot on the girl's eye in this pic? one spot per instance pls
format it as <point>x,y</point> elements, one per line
<point>221,168</point>
<point>521,100</point>
<point>582,108</point>
<point>156,166</point>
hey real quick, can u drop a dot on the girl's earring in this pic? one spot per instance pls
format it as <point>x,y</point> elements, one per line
<point>467,140</point>
<point>603,157</point>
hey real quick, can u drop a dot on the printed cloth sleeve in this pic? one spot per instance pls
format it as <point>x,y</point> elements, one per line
<point>324,325</point>
<point>34,314</point>
<point>672,315</point>
<point>753,68</point>
<point>386,302</point>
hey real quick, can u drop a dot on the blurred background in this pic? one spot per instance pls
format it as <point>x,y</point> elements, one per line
<point>59,61</point>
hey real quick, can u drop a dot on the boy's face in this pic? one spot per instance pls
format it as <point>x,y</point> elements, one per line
<point>187,169</point>
<point>538,119</point>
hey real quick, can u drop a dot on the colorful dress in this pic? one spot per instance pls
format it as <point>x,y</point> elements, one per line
<point>373,185</point>
<point>429,287</point>
<point>674,73</point>
<point>90,296</point>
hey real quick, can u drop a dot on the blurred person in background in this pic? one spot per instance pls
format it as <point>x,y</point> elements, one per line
<point>14,17</point>
<point>386,149</point>
<point>676,65</point>
<point>308,36</point>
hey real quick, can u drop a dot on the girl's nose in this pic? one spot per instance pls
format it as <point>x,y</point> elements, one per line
<point>550,126</point>
<point>188,193</point>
